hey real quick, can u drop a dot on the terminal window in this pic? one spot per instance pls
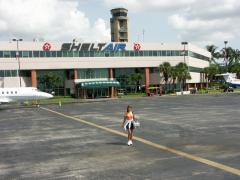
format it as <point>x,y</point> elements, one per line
<point>127,53</point>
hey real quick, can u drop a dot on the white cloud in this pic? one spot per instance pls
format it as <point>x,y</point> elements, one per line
<point>192,20</point>
<point>141,5</point>
<point>196,21</point>
<point>49,19</point>
<point>213,21</point>
<point>100,28</point>
<point>130,4</point>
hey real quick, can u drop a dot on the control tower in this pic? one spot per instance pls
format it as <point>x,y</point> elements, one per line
<point>119,25</point>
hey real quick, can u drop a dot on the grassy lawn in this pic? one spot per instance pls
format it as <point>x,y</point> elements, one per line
<point>62,99</point>
<point>58,99</point>
<point>209,91</point>
<point>215,91</point>
<point>237,90</point>
<point>133,95</point>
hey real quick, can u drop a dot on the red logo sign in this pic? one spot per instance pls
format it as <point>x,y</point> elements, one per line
<point>46,46</point>
<point>136,46</point>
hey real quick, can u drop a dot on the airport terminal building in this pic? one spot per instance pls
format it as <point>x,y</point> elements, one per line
<point>92,70</point>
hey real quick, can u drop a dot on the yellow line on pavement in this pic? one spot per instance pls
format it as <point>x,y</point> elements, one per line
<point>158,146</point>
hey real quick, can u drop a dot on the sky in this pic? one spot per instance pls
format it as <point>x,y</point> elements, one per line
<point>201,22</point>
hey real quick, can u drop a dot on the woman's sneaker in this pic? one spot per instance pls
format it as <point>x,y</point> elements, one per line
<point>131,143</point>
<point>128,143</point>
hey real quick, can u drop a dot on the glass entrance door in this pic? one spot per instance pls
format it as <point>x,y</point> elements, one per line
<point>97,93</point>
<point>102,92</point>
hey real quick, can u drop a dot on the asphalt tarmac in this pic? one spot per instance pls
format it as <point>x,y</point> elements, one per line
<point>180,138</point>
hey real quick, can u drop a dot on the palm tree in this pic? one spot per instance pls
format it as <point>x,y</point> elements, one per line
<point>215,55</point>
<point>236,69</point>
<point>231,57</point>
<point>213,69</point>
<point>165,70</point>
<point>210,72</point>
<point>174,75</point>
<point>237,56</point>
<point>182,73</point>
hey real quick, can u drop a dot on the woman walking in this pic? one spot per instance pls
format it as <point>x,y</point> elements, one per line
<point>128,123</point>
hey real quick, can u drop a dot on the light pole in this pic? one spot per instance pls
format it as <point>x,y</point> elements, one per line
<point>17,57</point>
<point>225,53</point>
<point>184,51</point>
<point>184,57</point>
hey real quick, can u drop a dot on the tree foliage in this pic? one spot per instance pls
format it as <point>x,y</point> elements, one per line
<point>51,80</point>
<point>165,70</point>
<point>215,55</point>
<point>211,71</point>
<point>174,75</point>
<point>179,73</point>
<point>135,79</point>
<point>236,69</point>
<point>182,73</point>
<point>230,57</point>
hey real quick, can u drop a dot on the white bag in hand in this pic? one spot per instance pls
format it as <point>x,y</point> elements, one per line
<point>136,123</point>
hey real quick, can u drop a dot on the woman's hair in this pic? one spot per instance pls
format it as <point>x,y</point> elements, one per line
<point>129,108</point>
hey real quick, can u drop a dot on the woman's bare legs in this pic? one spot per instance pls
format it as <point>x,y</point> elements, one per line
<point>131,134</point>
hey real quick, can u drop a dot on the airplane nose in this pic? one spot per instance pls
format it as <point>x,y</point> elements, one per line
<point>46,95</point>
<point>49,95</point>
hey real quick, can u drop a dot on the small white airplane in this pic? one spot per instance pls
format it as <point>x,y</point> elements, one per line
<point>230,79</point>
<point>8,95</point>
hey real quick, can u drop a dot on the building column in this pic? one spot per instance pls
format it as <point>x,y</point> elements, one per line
<point>110,76</point>
<point>34,78</point>
<point>75,76</point>
<point>195,88</point>
<point>147,80</point>
<point>82,93</point>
